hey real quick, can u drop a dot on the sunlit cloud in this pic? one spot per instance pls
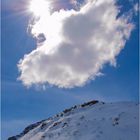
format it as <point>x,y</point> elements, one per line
<point>39,7</point>
<point>73,45</point>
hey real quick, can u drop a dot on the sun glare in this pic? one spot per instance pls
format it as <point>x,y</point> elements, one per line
<point>39,7</point>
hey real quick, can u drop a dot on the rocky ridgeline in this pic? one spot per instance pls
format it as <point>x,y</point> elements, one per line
<point>43,122</point>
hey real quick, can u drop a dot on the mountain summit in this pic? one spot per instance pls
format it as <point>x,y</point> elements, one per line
<point>90,121</point>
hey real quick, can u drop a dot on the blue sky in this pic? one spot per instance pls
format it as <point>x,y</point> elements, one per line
<point>22,106</point>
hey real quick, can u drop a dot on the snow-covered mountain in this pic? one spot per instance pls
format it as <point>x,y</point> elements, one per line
<point>90,121</point>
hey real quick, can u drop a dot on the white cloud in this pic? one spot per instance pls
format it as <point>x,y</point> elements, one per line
<point>77,45</point>
<point>136,8</point>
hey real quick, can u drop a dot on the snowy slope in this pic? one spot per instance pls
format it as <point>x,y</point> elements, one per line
<point>91,121</point>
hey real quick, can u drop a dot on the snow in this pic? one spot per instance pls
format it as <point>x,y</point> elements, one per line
<point>99,121</point>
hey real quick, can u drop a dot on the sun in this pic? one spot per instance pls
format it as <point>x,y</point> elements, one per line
<point>39,7</point>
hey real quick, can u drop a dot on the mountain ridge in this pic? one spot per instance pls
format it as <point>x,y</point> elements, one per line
<point>73,123</point>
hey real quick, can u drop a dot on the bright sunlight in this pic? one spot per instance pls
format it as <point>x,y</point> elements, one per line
<point>39,7</point>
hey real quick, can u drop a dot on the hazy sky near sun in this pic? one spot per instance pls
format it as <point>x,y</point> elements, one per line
<point>21,105</point>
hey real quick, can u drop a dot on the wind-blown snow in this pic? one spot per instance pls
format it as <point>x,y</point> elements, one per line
<point>97,121</point>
